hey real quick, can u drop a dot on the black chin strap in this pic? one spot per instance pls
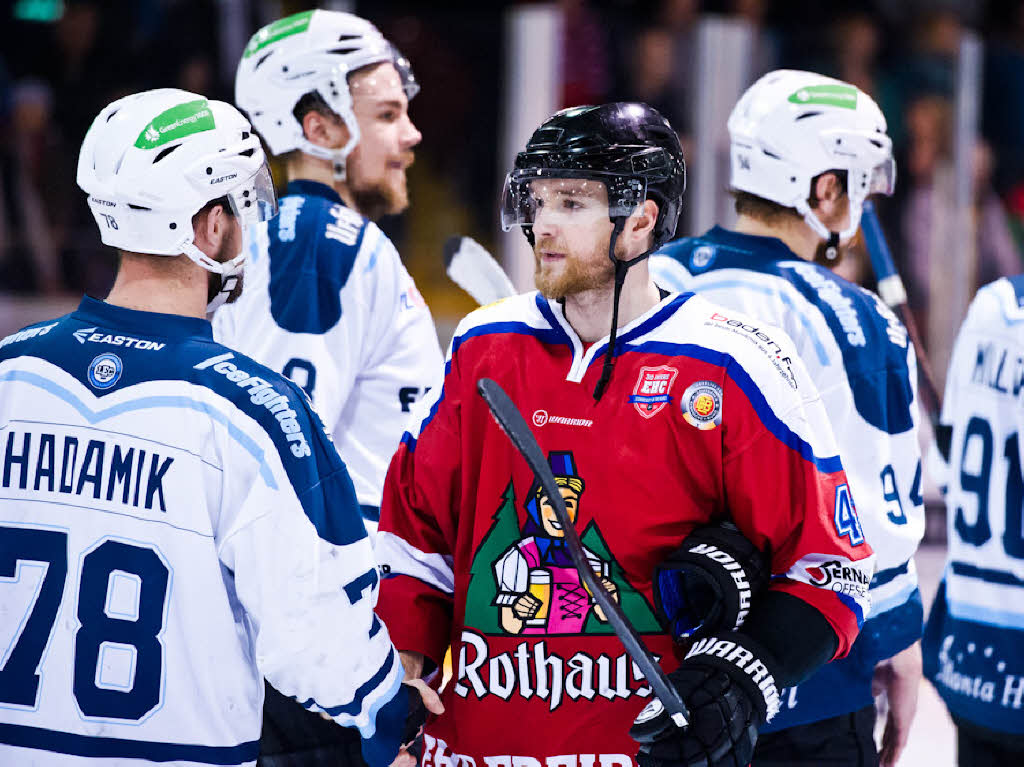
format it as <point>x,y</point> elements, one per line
<point>621,267</point>
<point>832,247</point>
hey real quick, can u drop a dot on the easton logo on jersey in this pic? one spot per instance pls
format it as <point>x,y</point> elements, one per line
<point>702,405</point>
<point>651,392</point>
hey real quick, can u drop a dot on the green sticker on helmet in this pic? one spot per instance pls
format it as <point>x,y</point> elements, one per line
<point>177,122</point>
<point>289,25</point>
<point>832,95</point>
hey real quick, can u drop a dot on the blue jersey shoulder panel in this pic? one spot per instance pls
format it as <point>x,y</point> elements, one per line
<point>1017,283</point>
<point>109,349</point>
<point>876,367</point>
<point>313,245</point>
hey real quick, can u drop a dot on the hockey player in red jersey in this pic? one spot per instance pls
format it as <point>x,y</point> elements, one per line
<point>682,415</point>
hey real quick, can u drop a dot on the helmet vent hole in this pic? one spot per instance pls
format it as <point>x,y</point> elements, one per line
<point>111,115</point>
<point>284,68</point>
<point>792,179</point>
<point>247,152</point>
<point>771,154</point>
<point>343,50</point>
<point>138,207</point>
<point>164,153</point>
<point>261,59</point>
<point>345,38</point>
<point>876,143</point>
<point>174,225</point>
<point>808,114</point>
<point>245,135</point>
<point>209,171</point>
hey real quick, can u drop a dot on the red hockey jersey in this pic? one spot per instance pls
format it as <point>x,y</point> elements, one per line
<point>708,414</point>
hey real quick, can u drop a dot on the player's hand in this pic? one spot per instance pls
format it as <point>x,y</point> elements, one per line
<point>428,700</point>
<point>611,588</point>
<point>727,707</point>
<point>899,678</point>
<point>526,606</point>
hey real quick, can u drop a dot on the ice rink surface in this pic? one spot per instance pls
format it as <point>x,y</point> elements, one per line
<point>932,738</point>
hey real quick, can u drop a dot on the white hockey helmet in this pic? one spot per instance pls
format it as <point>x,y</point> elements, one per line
<point>151,160</point>
<point>310,51</point>
<point>791,126</point>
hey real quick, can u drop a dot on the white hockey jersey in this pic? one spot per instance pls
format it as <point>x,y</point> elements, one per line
<point>175,525</point>
<point>974,640</point>
<point>858,355</point>
<point>328,303</point>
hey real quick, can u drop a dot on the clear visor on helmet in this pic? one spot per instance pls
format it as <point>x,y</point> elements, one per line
<point>404,68</point>
<point>255,200</point>
<point>560,197</point>
<point>883,178</point>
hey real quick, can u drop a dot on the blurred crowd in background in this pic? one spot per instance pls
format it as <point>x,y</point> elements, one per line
<point>61,62</point>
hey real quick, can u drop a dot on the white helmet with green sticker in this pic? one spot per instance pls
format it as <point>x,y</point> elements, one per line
<point>151,160</point>
<point>791,126</point>
<point>312,51</point>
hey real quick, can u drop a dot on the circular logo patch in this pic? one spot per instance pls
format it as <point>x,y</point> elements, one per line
<point>702,256</point>
<point>540,417</point>
<point>702,404</point>
<point>105,371</point>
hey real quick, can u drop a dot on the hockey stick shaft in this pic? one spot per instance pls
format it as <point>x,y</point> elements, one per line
<point>514,426</point>
<point>470,266</point>
<point>893,293</point>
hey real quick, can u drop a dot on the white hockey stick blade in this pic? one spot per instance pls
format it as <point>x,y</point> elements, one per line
<point>473,269</point>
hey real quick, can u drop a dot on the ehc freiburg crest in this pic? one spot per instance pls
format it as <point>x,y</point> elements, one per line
<point>651,392</point>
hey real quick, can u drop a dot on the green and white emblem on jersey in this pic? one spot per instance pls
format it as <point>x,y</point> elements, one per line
<point>286,27</point>
<point>176,122</point>
<point>830,94</point>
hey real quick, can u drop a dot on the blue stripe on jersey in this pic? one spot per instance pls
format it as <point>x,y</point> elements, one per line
<point>317,476</point>
<point>353,708</point>
<point>121,748</point>
<point>883,577</point>
<point>965,654</point>
<point>984,574</point>
<point>772,422</point>
<point>805,321</point>
<point>1017,283</point>
<point>146,403</point>
<point>371,513</point>
<point>553,335</point>
<point>877,369</point>
<point>644,327</point>
<point>308,268</point>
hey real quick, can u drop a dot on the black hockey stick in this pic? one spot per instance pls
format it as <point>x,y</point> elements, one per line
<point>511,421</point>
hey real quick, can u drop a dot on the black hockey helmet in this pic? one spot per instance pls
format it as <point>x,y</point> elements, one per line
<point>630,147</point>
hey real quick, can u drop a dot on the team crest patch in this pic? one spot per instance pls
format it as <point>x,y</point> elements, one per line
<point>105,371</point>
<point>651,392</point>
<point>702,405</point>
<point>702,256</point>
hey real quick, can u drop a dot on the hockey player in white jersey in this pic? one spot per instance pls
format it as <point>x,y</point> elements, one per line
<point>806,151</point>
<point>175,525</point>
<point>328,302</point>
<point>974,638</point>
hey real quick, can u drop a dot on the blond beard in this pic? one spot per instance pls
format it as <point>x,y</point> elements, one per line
<point>575,276</point>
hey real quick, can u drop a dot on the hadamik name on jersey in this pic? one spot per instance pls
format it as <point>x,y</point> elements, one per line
<point>97,469</point>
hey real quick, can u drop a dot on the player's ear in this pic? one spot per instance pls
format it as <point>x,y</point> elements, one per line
<point>639,228</point>
<point>324,130</point>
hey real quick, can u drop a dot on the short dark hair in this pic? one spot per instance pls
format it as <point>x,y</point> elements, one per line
<point>768,212</point>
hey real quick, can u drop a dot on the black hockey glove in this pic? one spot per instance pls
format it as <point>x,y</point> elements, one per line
<point>728,684</point>
<point>708,585</point>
